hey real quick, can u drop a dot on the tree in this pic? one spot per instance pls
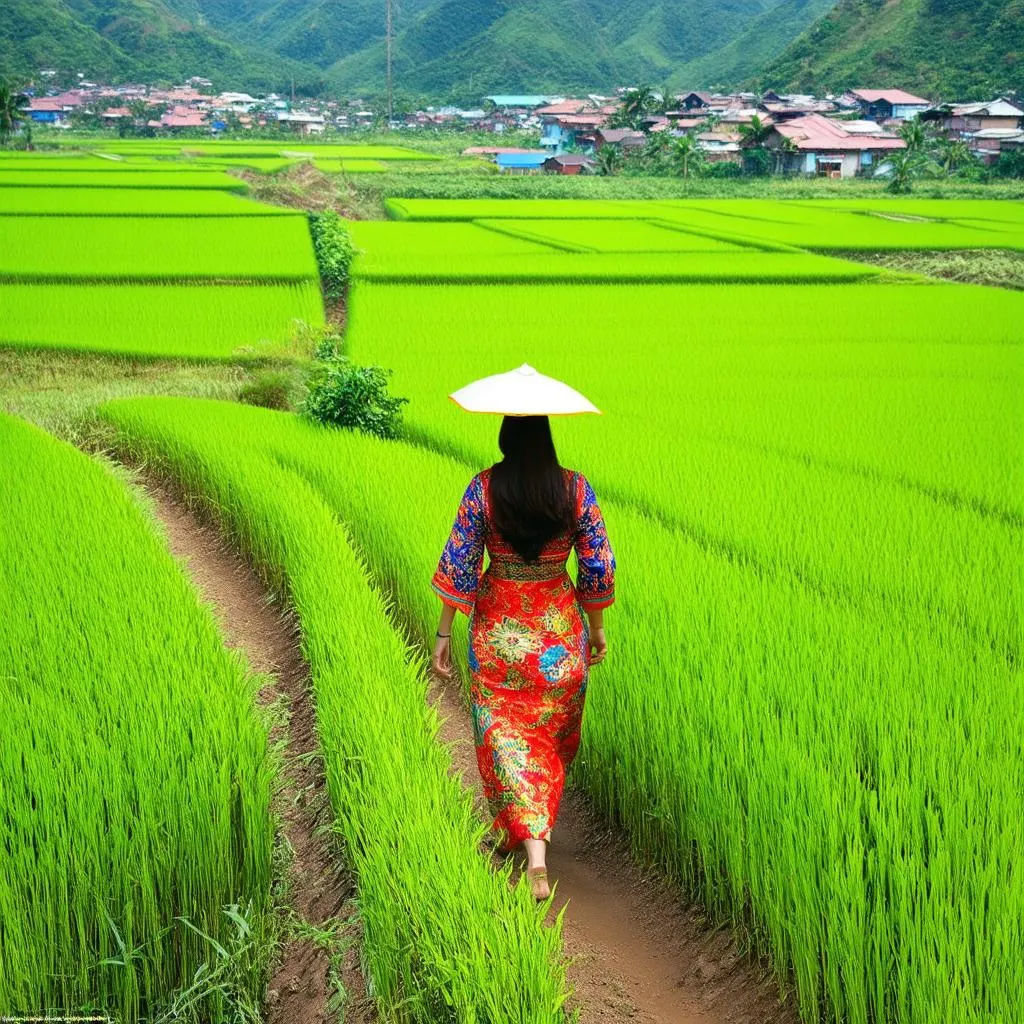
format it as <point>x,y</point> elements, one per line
<point>755,134</point>
<point>609,160</point>
<point>904,166</point>
<point>11,106</point>
<point>952,154</point>
<point>785,147</point>
<point>913,134</point>
<point>637,104</point>
<point>687,154</point>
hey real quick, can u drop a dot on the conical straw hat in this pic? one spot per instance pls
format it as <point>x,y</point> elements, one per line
<point>522,392</point>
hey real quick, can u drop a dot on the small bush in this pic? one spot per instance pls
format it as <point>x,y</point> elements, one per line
<point>342,394</point>
<point>334,251</point>
<point>271,389</point>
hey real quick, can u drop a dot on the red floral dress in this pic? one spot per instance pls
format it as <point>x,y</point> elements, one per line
<point>529,644</point>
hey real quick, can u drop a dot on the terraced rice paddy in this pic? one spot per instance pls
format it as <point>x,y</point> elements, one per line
<point>161,263</point>
<point>813,477</point>
<point>134,768</point>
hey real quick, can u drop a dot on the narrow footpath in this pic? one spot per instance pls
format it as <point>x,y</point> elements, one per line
<point>318,891</point>
<point>636,953</point>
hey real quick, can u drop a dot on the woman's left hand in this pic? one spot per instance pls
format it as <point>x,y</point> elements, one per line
<point>441,661</point>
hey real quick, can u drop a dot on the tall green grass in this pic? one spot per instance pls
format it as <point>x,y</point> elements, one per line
<point>132,202</point>
<point>865,439</point>
<point>156,247</point>
<point>446,938</point>
<point>136,178</point>
<point>135,778</point>
<point>183,321</point>
<point>838,776</point>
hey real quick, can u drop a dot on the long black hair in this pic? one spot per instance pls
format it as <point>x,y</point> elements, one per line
<point>530,499</point>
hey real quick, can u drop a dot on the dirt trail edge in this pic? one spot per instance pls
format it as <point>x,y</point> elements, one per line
<point>637,953</point>
<point>303,985</point>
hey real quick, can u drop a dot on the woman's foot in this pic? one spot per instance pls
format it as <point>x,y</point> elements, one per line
<point>538,878</point>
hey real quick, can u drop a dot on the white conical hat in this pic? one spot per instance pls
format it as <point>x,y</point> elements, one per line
<point>522,392</point>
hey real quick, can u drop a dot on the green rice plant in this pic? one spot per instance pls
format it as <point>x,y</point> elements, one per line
<point>932,209</point>
<point>264,164</point>
<point>298,148</point>
<point>184,321</point>
<point>446,938</point>
<point>520,209</point>
<point>610,268</point>
<point>383,241</point>
<point>132,202</point>
<point>768,439</point>
<point>242,248</point>
<point>122,180</point>
<point>609,236</point>
<point>837,777</point>
<point>812,227</point>
<point>135,778</point>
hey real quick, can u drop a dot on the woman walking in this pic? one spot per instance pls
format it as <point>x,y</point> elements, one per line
<point>533,635</point>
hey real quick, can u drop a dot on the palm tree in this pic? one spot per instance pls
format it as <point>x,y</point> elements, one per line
<point>953,154</point>
<point>609,160</point>
<point>637,103</point>
<point>785,147</point>
<point>904,166</point>
<point>11,105</point>
<point>755,134</point>
<point>912,133</point>
<point>687,154</point>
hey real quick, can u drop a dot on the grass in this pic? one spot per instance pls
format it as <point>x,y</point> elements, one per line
<point>135,773</point>
<point>797,754</point>
<point>130,202</point>
<point>348,166</point>
<point>445,938</point>
<point>609,268</point>
<point>183,321</point>
<point>635,236</point>
<point>999,268</point>
<point>243,248</point>
<point>119,179</point>
<point>59,391</point>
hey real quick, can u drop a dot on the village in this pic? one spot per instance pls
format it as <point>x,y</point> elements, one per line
<point>836,136</point>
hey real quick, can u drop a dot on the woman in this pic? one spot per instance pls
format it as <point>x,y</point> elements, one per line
<point>532,634</point>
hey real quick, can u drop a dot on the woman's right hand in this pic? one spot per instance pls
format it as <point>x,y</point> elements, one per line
<point>598,646</point>
<point>441,660</point>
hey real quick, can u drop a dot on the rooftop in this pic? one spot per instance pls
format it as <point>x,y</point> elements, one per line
<point>814,132</point>
<point>894,96</point>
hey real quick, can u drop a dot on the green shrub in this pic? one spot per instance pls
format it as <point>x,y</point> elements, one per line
<point>342,394</point>
<point>271,389</point>
<point>334,251</point>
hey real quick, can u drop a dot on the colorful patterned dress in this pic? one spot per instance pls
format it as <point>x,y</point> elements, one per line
<point>529,645</point>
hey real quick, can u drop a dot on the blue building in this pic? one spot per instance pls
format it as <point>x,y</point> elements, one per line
<point>520,163</point>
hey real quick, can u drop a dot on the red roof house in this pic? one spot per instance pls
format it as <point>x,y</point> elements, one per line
<point>840,149</point>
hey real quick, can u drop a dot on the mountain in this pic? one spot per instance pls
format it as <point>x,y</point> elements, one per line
<point>953,49</point>
<point>466,48</point>
<point>140,40</point>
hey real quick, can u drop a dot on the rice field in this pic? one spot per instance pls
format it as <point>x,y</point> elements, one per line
<point>63,201</point>
<point>134,768</point>
<point>125,248</point>
<point>123,179</point>
<point>813,477</point>
<point>186,321</point>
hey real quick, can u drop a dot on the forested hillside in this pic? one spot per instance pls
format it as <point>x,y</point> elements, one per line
<point>147,40</point>
<point>962,49</point>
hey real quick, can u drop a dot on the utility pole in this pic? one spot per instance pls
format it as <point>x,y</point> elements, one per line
<point>389,26</point>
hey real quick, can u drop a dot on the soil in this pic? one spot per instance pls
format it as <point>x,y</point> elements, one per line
<point>317,891</point>
<point>637,951</point>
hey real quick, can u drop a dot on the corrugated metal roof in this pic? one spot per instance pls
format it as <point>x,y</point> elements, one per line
<point>521,159</point>
<point>816,132</point>
<point>894,96</point>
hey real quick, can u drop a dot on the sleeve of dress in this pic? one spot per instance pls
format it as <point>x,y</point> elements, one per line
<point>458,572</point>
<point>595,583</point>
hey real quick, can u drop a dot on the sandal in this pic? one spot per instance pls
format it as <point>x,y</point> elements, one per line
<point>539,883</point>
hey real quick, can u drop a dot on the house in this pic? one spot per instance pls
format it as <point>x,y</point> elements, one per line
<point>53,109</point>
<point>116,114</point>
<point>568,163</point>
<point>696,101</point>
<point>561,131</point>
<point>622,138</point>
<point>174,119</point>
<point>889,104</point>
<point>959,120</point>
<point>719,147</point>
<point>529,162</point>
<point>303,123</point>
<point>815,144</point>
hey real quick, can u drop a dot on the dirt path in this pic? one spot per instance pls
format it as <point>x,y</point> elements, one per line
<point>301,988</point>
<point>636,952</point>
